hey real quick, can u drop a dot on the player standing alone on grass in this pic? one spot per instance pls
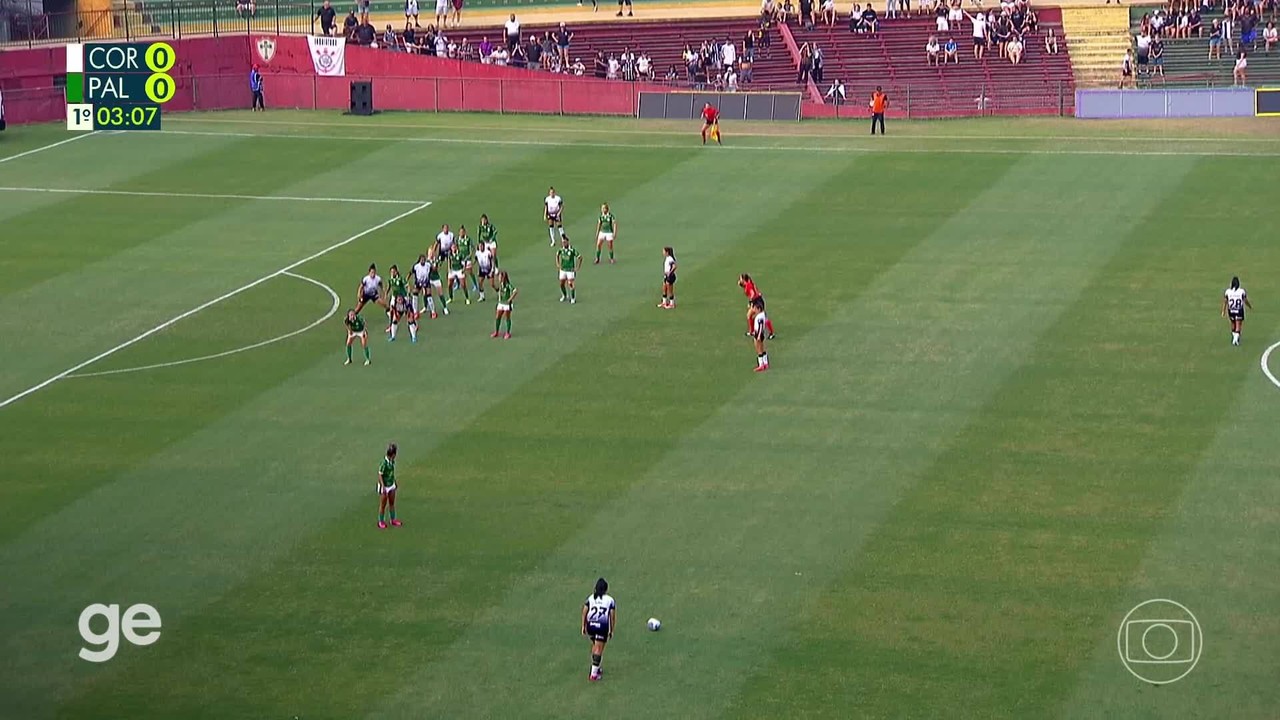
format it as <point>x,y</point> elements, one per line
<point>355,329</point>
<point>606,231</point>
<point>1234,301</point>
<point>387,489</point>
<point>569,262</point>
<point>668,278</point>
<point>759,321</point>
<point>749,288</point>
<point>554,211</point>
<point>506,298</point>
<point>710,122</point>
<point>878,103</point>
<point>599,616</point>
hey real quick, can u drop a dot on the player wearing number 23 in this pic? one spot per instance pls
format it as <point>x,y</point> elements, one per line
<point>599,615</point>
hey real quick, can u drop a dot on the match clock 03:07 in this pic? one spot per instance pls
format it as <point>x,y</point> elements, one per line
<point>123,117</point>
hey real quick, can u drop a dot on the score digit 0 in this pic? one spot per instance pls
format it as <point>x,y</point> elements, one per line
<point>160,58</point>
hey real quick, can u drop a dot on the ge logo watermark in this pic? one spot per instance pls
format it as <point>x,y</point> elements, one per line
<point>140,625</point>
<point>1160,641</point>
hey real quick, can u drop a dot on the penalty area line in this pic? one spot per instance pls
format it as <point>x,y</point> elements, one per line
<point>50,146</point>
<point>225,296</point>
<point>333,309</point>
<point>206,196</point>
<point>1266,364</point>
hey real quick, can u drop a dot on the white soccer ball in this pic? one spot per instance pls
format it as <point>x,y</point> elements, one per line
<point>655,624</point>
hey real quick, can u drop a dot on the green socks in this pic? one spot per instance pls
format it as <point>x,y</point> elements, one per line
<point>348,352</point>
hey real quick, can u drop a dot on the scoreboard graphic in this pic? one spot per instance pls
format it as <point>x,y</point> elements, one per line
<point>118,86</point>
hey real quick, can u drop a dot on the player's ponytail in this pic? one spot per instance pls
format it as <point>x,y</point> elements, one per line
<point>670,252</point>
<point>602,587</point>
<point>1235,283</point>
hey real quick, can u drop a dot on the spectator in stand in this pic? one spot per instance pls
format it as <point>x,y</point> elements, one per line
<point>829,13</point>
<point>1195,24</point>
<point>1240,75</point>
<point>788,11</point>
<point>620,4</point>
<point>578,69</point>
<point>1215,41</point>
<point>955,15</point>
<point>870,20</point>
<point>410,37</point>
<point>533,53</point>
<point>1228,33</point>
<point>942,23</point>
<point>549,49</point>
<point>486,50</point>
<point>519,57</point>
<point>1157,57</point>
<point>836,92</point>
<point>246,9</point>
<point>1014,49</point>
<point>1248,30</point>
<point>673,74</point>
<point>806,14</point>
<point>612,67</point>
<point>1143,43</point>
<point>389,38</point>
<point>349,26</point>
<point>1126,69</point>
<point>601,65</point>
<point>950,52</point>
<point>855,18</point>
<point>1050,42</point>
<point>763,41</point>
<point>457,12</point>
<point>363,5</point>
<point>891,9</point>
<point>806,65</point>
<point>746,70</point>
<point>979,34</point>
<point>365,34</point>
<point>1030,21</point>
<point>767,10</point>
<point>932,51</point>
<point>513,32</point>
<point>563,38</point>
<point>428,40</point>
<point>819,64</point>
<point>442,14</point>
<point>644,67</point>
<point>1003,34</point>
<point>731,80</point>
<point>1269,37</point>
<point>411,12</point>
<point>326,15</point>
<point>500,56</point>
<point>728,54</point>
<point>463,51</point>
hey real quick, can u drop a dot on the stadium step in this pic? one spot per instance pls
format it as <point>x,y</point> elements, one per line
<point>1096,41</point>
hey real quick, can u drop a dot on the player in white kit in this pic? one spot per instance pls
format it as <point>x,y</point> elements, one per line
<point>760,331</point>
<point>668,278</point>
<point>370,290</point>
<point>599,615</point>
<point>446,240</point>
<point>554,210</point>
<point>1234,301</point>
<point>485,269</point>
<point>421,284</point>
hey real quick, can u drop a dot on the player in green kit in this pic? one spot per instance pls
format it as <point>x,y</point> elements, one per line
<point>433,280</point>
<point>355,329</point>
<point>387,489</point>
<point>606,231</point>
<point>568,261</point>
<point>506,298</point>
<point>460,263</point>
<point>401,306</point>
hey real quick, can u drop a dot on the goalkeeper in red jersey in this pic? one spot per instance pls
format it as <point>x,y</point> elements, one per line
<point>710,123</point>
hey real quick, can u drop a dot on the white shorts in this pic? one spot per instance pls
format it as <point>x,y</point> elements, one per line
<point>503,307</point>
<point>362,334</point>
<point>606,236</point>
<point>411,8</point>
<point>456,274</point>
<point>442,7</point>
<point>383,489</point>
<point>436,283</point>
<point>567,274</point>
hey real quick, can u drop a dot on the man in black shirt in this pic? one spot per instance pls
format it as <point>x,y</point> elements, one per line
<point>534,53</point>
<point>326,13</point>
<point>349,26</point>
<point>365,34</point>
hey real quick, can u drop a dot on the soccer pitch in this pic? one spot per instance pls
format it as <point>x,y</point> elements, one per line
<point>1003,410</point>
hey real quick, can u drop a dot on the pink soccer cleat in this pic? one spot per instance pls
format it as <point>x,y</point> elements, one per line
<point>593,677</point>
<point>506,336</point>
<point>495,334</point>
<point>761,368</point>
<point>396,523</point>
<point>382,525</point>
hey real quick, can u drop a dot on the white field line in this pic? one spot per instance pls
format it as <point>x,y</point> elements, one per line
<point>209,196</point>
<point>210,303</point>
<point>332,309</point>
<point>1266,364</point>
<point>50,146</point>
<point>744,148</point>
<point>633,131</point>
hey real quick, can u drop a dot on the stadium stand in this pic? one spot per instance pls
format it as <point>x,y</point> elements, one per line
<point>1186,60</point>
<point>894,57</point>
<point>1097,38</point>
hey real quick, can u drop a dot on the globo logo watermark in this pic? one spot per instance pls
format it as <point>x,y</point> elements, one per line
<point>139,624</point>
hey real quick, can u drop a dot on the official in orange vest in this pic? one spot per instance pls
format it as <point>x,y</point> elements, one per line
<point>878,102</point>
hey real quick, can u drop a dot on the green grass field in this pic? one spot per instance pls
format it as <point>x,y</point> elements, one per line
<point>1002,411</point>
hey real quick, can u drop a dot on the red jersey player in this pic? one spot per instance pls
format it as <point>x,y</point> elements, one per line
<point>749,289</point>
<point>710,121</point>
